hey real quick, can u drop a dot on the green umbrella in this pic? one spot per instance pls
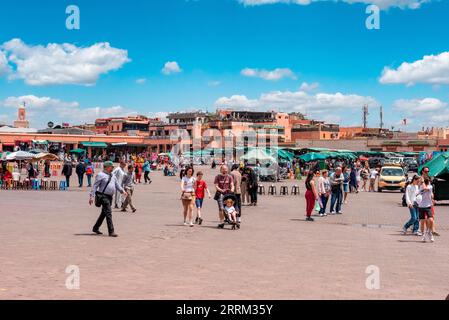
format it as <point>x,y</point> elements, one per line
<point>438,166</point>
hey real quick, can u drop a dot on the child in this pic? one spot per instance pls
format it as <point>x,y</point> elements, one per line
<point>200,188</point>
<point>232,213</point>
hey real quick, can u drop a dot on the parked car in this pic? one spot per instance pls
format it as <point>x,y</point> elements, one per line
<point>411,164</point>
<point>392,178</point>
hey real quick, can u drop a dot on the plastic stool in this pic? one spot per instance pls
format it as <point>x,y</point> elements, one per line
<point>62,185</point>
<point>295,190</point>
<point>284,191</point>
<point>272,190</point>
<point>36,184</point>
<point>261,189</point>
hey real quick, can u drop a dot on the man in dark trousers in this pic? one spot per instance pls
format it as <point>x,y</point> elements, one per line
<point>67,172</point>
<point>80,171</point>
<point>106,184</point>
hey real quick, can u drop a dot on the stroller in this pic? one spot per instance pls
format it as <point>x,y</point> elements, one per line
<point>227,216</point>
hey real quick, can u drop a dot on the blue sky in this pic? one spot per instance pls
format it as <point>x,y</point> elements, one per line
<point>318,58</point>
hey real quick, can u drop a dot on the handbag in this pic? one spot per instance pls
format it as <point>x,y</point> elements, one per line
<point>187,196</point>
<point>100,195</point>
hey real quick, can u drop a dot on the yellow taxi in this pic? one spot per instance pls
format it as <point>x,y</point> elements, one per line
<point>392,178</point>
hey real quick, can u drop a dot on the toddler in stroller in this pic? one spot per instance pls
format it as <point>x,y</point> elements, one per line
<point>230,212</point>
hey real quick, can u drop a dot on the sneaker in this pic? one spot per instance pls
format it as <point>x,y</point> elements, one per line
<point>332,212</point>
<point>436,234</point>
<point>321,215</point>
<point>404,230</point>
<point>185,223</point>
<point>432,239</point>
<point>309,219</point>
<point>200,221</point>
<point>339,212</point>
<point>424,238</point>
<point>325,214</point>
<point>197,219</point>
<point>221,226</point>
<point>418,233</point>
<point>191,224</point>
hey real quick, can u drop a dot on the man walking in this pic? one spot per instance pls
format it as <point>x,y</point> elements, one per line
<point>237,177</point>
<point>146,171</point>
<point>67,172</point>
<point>106,185</point>
<point>128,185</point>
<point>119,173</point>
<point>80,171</point>
<point>336,181</point>
<point>224,185</point>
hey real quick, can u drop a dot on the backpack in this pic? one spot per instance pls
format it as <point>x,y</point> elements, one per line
<point>89,171</point>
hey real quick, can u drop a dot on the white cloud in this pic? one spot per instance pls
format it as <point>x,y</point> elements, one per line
<point>4,67</point>
<point>271,75</point>
<point>171,67</point>
<point>41,110</point>
<point>383,4</point>
<point>309,86</point>
<point>432,69</point>
<point>413,106</point>
<point>141,81</point>
<point>213,83</point>
<point>319,105</point>
<point>65,63</point>
<point>33,103</point>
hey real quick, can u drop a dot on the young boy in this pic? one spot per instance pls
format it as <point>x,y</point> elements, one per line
<point>200,188</point>
<point>232,213</point>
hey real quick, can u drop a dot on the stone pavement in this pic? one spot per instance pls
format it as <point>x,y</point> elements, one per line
<point>276,254</point>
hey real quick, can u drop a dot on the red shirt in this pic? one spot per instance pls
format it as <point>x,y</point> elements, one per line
<point>201,186</point>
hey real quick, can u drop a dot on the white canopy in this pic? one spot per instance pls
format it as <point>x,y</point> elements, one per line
<point>20,155</point>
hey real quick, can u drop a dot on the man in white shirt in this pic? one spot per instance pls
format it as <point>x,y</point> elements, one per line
<point>119,173</point>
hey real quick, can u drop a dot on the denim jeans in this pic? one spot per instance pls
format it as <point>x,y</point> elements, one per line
<point>414,219</point>
<point>80,179</point>
<point>324,200</point>
<point>336,197</point>
<point>89,180</point>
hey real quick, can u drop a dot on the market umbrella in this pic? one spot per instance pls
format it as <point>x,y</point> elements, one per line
<point>258,154</point>
<point>438,166</point>
<point>20,155</point>
<point>78,151</point>
<point>46,156</point>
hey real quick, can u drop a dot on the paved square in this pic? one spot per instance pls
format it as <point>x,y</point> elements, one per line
<point>276,254</point>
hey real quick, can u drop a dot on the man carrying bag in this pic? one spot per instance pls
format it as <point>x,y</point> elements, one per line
<point>103,190</point>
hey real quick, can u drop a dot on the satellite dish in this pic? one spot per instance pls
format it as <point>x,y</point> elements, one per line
<point>50,124</point>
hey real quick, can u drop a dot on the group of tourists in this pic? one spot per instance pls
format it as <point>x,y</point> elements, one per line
<point>232,188</point>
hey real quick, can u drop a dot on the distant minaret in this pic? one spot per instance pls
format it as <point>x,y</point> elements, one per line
<point>21,121</point>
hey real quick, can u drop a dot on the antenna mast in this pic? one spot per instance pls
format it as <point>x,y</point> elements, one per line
<point>365,116</point>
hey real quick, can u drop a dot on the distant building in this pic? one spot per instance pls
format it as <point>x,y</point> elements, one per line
<point>315,130</point>
<point>133,126</point>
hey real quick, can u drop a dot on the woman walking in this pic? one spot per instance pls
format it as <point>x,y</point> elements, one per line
<point>410,197</point>
<point>425,202</point>
<point>365,177</point>
<point>311,195</point>
<point>188,195</point>
<point>324,191</point>
<point>346,176</point>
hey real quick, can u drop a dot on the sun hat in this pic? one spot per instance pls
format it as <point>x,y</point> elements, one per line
<point>108,164</point>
